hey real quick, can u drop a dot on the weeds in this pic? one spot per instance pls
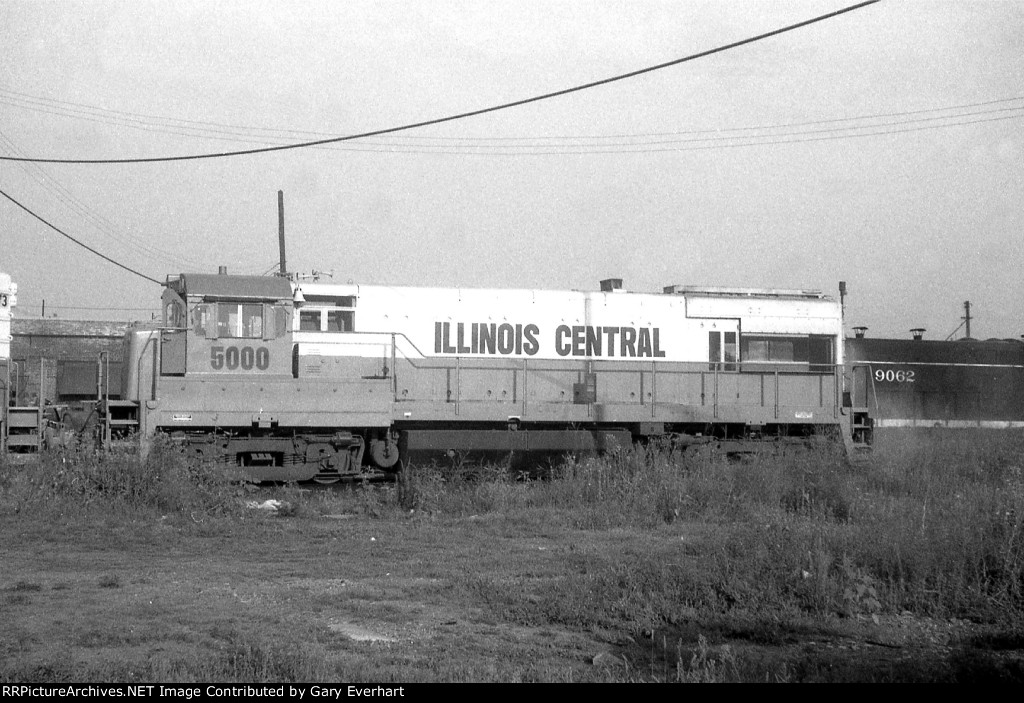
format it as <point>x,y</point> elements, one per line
<point>82,480</point>
<point>937,531</point>
<point>707,665</point>
<point>109,581</point>
<point>783,537</point>
<point>860,595</point>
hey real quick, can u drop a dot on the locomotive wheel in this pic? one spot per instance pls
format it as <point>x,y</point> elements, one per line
<point>384,453</point>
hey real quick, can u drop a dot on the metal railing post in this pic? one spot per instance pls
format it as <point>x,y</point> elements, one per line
<point>654,387</point>
<point>394,370</point>
<point>715,411</point>
<point>776,394</point>
<point>525,385</point>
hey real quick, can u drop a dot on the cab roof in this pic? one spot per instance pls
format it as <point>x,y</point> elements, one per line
<point>224,287</point>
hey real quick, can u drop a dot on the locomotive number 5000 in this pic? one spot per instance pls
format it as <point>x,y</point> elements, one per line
<point>234,357</point>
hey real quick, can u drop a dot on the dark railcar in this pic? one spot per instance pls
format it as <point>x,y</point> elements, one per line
<point>956,384</point>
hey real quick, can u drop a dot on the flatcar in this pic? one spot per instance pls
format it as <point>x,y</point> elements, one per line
<point>308,380</point>
<point>909,384</point>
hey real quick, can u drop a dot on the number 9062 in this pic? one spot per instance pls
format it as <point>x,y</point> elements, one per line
<point>894,375</point>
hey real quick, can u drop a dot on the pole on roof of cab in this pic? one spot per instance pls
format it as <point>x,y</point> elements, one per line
<point>280,231</point>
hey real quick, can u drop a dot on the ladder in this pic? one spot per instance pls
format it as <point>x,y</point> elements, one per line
<point>117,417</point>
<point>857,437</point>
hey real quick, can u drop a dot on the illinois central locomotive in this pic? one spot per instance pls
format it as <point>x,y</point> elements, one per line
<point>309,380</point>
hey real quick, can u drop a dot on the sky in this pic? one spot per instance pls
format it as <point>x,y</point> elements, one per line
<point>882,147</point>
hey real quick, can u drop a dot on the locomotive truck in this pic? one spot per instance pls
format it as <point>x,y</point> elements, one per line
<point>308,380</point>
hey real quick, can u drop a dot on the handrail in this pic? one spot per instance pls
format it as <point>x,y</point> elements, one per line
<point>524,364</point>
<point>103,393</point>
<point>869,383</point>
<point>458,365</point>
<point>138,366</point>
<point>16,367</point>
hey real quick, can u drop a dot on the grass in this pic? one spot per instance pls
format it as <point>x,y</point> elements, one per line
<point>646,565</point>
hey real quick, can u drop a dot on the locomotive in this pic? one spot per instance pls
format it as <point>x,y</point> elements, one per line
<point>294,380</point>
<point>910,384</point>
<point>308,380</point>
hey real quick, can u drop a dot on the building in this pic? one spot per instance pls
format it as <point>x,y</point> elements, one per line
<point>55,361</point>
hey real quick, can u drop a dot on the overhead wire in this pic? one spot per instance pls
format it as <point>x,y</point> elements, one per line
<point>958,328</point>
<point>720,140</point>
<point>459,116</point>
<point>86,114</point>
<point>721,134</point>
<point>79,242</point>
<point>267,271</point>
<point>238,132</point>
<point>106,115</point>
<point>99,307</point>
<point>749,142</point>
<point>833,128</point>
<point>716,130</point>
<point>103,225</point>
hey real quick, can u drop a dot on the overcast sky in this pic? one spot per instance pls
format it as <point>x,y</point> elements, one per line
<point>888,151</point>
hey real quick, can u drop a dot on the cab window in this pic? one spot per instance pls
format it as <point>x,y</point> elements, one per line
<point>174,314</point>
<point>722,351</point>
<point>309,320</point>
<point>815,353</point>
<point>339,320</point>
<point>326,320</point>
<point>244,320</point>
<point>333,313</point>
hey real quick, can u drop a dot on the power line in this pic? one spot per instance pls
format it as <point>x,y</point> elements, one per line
<point>245,133</point>
<point>719,141</point>
<point>719,130</point>
<point>79,243</point>
<point>591,144</point>
<point>764,140</point>
<point>958,327</point>
<point>103,225</point>
<point>718,134</point>
<point>93,307</point>
<point>464,115</point>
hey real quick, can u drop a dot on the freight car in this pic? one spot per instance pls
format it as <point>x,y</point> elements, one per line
<point>298,381</point>
<point>917,383</point>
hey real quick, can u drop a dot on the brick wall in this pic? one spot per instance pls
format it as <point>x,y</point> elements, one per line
<point>39,348</point>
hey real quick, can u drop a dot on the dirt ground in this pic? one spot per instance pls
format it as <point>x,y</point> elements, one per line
<point>419,599</point>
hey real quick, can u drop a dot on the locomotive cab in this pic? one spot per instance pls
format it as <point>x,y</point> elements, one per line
<point>218,375</point>
<point>215,324</point>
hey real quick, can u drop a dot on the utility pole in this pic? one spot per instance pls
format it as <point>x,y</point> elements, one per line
<point>280,231</point>
<point>842,301</point>
<point>967,317</point>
